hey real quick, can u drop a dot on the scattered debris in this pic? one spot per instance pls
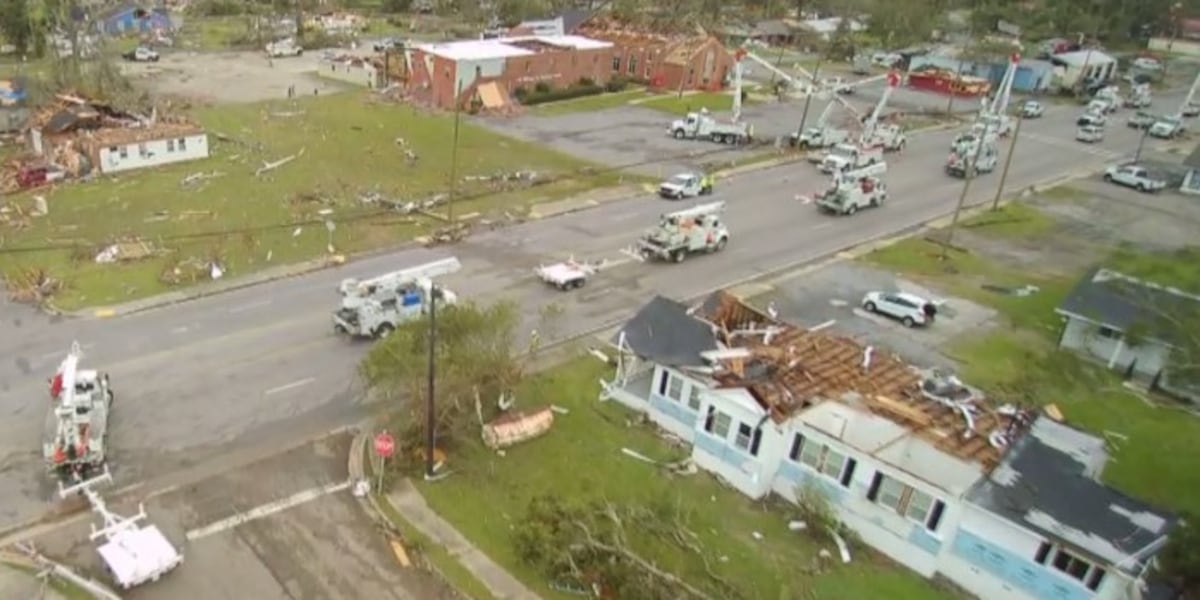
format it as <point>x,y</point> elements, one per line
<point>401,554</point>
<point>287,114</point>
<point>271,166</point>
<point>639,456</point>
<point>843,548</point>
<point>125,251</point>
<point>40,208</point>
<point>448,234</point>
<point>510,429</point>
<point>756,535</point>
<point>1023,291</point>
<point>195,178</point>
<point>797,526</point>
<point>32,286</point>
<point>559,410</point>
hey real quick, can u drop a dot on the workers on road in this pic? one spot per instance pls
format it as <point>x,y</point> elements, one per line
<point>706,183</point>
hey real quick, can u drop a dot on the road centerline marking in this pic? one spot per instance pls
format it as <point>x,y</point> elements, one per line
<point>288,386</point>
<point>265,510</point>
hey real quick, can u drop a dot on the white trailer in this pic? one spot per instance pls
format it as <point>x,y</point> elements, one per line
<point>376,306</point>
<point>566,275</point>
<point>133,553</point>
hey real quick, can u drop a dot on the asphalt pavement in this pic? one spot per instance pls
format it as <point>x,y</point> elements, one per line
<point>199,379</point>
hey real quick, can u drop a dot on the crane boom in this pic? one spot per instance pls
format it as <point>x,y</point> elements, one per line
<point>1191,95</point>
<point>696,211</point>
<point>738,57</point>
<point>893,81</point>
<point>1004,92</point>
<point>780,72</point>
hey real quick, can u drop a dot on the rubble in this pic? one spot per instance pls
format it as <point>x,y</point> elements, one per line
<point>32,286</point>
<point>125,251</point>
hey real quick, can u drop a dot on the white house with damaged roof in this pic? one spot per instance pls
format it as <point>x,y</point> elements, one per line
<point>1137,327</point>
<point>774,408</point>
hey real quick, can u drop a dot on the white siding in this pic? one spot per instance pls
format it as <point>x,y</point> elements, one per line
<point>718,450</point>
<point>1087,338</point>
<point>153,153</point>
<point>355,74</point>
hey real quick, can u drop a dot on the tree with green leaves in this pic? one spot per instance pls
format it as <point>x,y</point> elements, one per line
<point>475,361</point>
<point>1179,561</point>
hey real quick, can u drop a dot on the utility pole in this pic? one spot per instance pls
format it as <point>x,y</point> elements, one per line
<point>1137,156</point>
<point>1012,149</point>
<point>454,156</point>
<point>430,418</point>
<point>812,87</point>
<point>962,197</point>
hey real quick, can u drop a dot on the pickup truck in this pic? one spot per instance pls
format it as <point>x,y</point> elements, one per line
<point>141,54</point>
<point>1142,120</point>
<point>1166,128</point>
<point>1135,177</point>
<point>685,185</point>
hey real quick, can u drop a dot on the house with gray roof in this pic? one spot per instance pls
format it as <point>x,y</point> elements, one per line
<point>1138,327</point>
<point>1042,525</point>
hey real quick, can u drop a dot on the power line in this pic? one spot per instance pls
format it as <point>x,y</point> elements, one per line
<point>584,173</point>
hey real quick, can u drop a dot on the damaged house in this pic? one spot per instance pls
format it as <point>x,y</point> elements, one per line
<point>908,460</point>
<point>83,137</point>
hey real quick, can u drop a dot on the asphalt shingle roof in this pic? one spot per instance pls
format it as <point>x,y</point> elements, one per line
<point>663,332</point>
<point>1123,302</point>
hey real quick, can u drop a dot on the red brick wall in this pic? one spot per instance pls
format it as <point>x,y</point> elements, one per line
<point>647,59</point>
<point>557,68</point>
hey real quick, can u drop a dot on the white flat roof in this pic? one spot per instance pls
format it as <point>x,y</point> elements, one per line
<point>505,48</point>
<point>1080,57</point>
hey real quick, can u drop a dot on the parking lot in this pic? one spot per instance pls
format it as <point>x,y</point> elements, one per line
<point>233,77</point>
<point>287,527</point>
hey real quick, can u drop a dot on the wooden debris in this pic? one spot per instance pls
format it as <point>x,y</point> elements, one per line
<point>195,178</point>
<point>271,166</point>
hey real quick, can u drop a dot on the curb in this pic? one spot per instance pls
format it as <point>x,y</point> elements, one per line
<point>305,268</point>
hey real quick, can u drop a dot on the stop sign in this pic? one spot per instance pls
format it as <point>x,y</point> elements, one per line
<point>384,445</point>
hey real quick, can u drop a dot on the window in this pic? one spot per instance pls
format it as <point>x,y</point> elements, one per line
<point>170,145</point>
<point>694,398</point>
<point>112,149</point>
<point>662,383</point>
<point>717,423</point>
<point>823,459</point>
<point>633,65</point>
<point>675,388</point>
<point>617,64</point>
<point>182,145</point>
<point>748,438</point>
<point>833,462</point>
<point>907,501</point>
<point>124,152</point>
<point>528,66</point>
<point>1084,571</point>
<point>1109,333</point>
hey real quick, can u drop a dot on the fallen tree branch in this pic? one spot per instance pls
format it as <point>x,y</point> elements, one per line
<point>641,563</point>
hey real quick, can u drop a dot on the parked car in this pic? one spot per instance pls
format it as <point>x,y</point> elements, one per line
<point>886,59</point>
<point>1091,118</point>
<point>1032,109</point>
<point>141,54</point>
<point>910,309</point>
<point>1191,109</point>
<point>1089,134</point>
<point>1136,177</point>
<point>1146,63</point>
<point>1142,120</point>
<point>1166,128</point>
<point>388,43</point>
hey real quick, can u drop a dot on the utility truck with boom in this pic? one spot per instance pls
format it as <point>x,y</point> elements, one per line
<point>995,115</point>
<point>854,190</point>
<point>77,423</point>
<point>822,135</point>
<point>698,229</point>
<point>375,307</point>
<point>703,126</point>
<point>888,135</point>
<point>963,156</point>
<point>847,157</point>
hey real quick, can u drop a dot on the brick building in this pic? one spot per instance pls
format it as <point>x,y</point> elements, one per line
<point>444,74</point>
<point>662,59</point>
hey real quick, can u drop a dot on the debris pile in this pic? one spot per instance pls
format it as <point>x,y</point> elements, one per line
<point>125,251</point>
<point>32,286</point>
<point>191,270</point>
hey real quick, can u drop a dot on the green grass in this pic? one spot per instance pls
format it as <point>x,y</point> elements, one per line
<point>581,460</point>
<point>674,104</point>
<point>64,588</point>
<point>447,565</point>
<point>964,273</point>
<point>1180,269</point>
<point>1063,192</point>
<point>587,104</point>
<point>1017,220</point>
<point>350,148</point>
<point>1157,462</point>
<point>212,33</point>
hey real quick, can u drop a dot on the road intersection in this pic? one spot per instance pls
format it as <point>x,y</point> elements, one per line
<point>199,379</point>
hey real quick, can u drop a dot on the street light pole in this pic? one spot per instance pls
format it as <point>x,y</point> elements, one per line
<point>1137,156</point>
<point>1012,149</point>
<point>962,197</point>
<point>454,156</point>
<point>430,419</point>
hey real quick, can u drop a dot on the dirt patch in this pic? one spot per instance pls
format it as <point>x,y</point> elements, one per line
<point>231,77</point>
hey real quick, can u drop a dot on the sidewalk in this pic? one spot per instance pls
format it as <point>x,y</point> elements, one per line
<point>405,498</point>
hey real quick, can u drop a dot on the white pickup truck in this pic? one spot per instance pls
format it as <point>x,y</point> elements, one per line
<point>1136,177</point>
<point>844,157</point>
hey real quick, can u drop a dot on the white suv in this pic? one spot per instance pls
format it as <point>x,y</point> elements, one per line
<point>909,309</point>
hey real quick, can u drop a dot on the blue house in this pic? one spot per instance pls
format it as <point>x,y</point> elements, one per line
<point>1031,76</point>
<point>133,19</point>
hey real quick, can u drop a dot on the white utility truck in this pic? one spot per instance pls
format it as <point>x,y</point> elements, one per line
<point>962,157</point>
<point>846,157</point>
<point>134,553</point>
<point>685,185</point>
<point>1135,176</point>
<point>819,137</point>
<point>693,230</point>
<point>375,307</point>
<point>890,136</point>
<point>284,48</point>
<point>703,126</point>
<point>854,190</point>
<point>77,423</point>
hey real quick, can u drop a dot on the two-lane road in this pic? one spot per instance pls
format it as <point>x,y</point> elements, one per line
<point>196,379</point>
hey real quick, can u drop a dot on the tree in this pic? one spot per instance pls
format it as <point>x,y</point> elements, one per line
<point>1179,561</point>
<point>23,26</point>
<point>474,359</point>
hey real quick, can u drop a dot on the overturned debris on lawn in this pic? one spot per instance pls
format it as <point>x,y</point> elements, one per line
<point>510,429</point>
<point>124,251</point>
<point>32,286</point>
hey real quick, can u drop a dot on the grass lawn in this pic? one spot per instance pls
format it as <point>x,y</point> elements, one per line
<point>212,33</point>
<point>581,460</point>
<point>249,222</point>
<point>588,103</point>
<point>1149,441</point>
<point>713,101</point>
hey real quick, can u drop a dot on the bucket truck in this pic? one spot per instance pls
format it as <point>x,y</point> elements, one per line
<point>847,157</point>
<point>703,126</point>
<point>995,115</point>
<point>854,190</point>
<point>689,231</point>
<point>962,156</point>
<point>375,307</point>
<point>134,553</point>
<point>77,423</point>
<point>822,135</point>
<point>888,135</point>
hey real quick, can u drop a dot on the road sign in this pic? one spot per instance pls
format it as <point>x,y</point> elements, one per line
<point>384,445</point>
